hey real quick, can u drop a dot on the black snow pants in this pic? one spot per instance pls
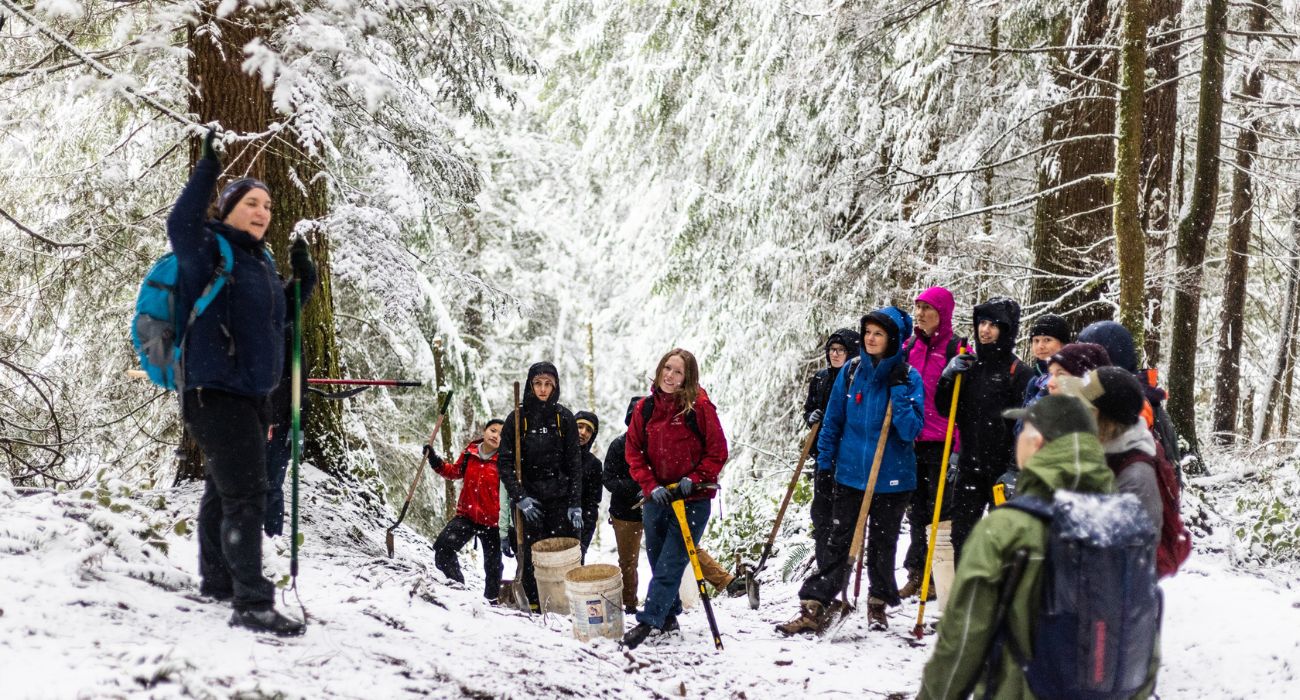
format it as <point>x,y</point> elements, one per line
<point>459,531</point>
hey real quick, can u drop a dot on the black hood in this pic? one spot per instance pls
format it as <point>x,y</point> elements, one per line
<point>1006,314</point>
<point>884,320</point>
<point>595,426</point>
<point>631,406</point>
<point>848,338</point>
<point>536,369</point>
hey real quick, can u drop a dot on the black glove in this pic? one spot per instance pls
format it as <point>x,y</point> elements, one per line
<point>814,418</point>
<point>429,454</point>
<point>209,151</point>
<point>952,469</point>
<point>958,364</point>
<point>508,546</point>
<point>300,260</point>
<point>899,374</point>
<point>1008,481</point>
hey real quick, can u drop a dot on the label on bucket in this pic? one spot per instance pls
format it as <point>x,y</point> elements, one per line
<point>595,611</point>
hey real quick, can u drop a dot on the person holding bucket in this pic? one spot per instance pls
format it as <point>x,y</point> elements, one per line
<point>671,454</point>
<point>550,495</point>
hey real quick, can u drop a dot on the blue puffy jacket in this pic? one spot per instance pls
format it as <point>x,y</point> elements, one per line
<point>854,415</point>
<point>237,344</point>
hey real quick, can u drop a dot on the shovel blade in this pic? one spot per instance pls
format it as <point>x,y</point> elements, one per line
<point>388,542</point>
<point>751,589</point>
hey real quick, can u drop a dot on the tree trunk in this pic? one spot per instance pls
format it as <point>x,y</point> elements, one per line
<point>1194,229</point>
<point>223,93</point>
<point>1290,312</point>
<point>1159,131</point>
<point>1130,243</point>
<point>1232,316</point>
<point>1072,224</point>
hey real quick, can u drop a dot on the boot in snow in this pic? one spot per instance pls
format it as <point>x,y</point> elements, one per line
<point>876,620</point>
<point>913,586</point>
<point>636,635</point>
<point>267,620</point>
<point>736,587</point>
<point>812,617</point>
<point>670,624</point>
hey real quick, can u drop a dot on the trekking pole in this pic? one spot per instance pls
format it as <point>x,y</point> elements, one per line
<point>419,476</point>
<point>679,508</point>
<point>855,549</point>
<point>918,630</point>
<point>751,580</point>
<point>523,556</point>
<point>295,429</point>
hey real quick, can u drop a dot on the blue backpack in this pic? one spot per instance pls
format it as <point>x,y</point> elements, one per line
<point>1101,608</point>
<point>157,334</point>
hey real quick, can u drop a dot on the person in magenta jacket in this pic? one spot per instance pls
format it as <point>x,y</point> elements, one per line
<point>680,447</point>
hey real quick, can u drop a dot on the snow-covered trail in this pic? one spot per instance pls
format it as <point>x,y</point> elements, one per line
<point>79,620</point>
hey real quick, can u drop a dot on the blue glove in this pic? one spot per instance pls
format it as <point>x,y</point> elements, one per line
<point>661,496</point>
<point>958,364</point>
<point>531,509</point>
<point>685,485</point>
<point>575,518</point>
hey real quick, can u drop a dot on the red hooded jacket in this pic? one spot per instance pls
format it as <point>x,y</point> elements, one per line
<point>479,499</point>
<point>664,449</point>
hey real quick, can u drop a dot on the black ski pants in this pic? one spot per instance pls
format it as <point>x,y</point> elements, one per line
<point>823,497</point>
<point>554,523</point>
<point>459,531</point>
<point>972,496</point>
<point>828,580</point>
<point>231,432</point>
<point>884,523</point>
<point>929,460</point>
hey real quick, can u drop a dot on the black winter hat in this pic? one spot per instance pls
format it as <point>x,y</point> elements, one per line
<point>1052,326</point>
<point>1117,341</point>
<point>1114,392</point>
<point>631,406</point>
<point>1078,358</point>
<point>846,337</point>
<point>235,191</point>
<point>1055,416</point>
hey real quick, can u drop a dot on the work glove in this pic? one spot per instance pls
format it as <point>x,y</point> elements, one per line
<point>685,485</point>
<point>661,496</point>
<point>508,546</point>
<point>1008,483</point>
<point>531,509</point>
<point>952,470</point>
<point>958,364</point>
<point>814,418</point>
<point>429,454</point>
<point>575,518</point>
<point>209,151</point>
<point>899,375</point>
<point>300,260</point>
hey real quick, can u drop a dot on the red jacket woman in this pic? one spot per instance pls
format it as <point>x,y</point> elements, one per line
<point>479,499</point>
<point>673,443</point>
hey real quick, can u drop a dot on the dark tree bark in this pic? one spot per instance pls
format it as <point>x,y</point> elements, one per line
<point>1130,243</point>
<point>1159,139</point>
<point>1232,315</point>
<point>1273,396</point>
<point>1073,223</point>
<point>1194,229</point>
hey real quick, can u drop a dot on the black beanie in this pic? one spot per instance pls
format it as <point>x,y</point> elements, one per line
<point>1052,326</point>
<point>235,191</point>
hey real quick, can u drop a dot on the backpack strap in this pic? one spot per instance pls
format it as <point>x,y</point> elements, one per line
<point>1013,573</point>
<point>647,408</point>
<point>852,369</point>
<point>954,344</point>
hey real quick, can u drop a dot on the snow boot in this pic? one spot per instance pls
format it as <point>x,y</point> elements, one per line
<point>267,620</point>
<point>670,624</point>
<point>636,635</point>
<point>812,617</point>
<point>913,586</point>
<point>736,587</point>
<point>876,620</point>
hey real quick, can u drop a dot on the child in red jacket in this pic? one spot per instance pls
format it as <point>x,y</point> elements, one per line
<point>477,509</point>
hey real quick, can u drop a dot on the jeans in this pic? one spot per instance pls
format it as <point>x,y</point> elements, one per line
<point>668,559</point>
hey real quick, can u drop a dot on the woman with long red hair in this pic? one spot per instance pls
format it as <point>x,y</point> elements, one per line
<point>674,444</point>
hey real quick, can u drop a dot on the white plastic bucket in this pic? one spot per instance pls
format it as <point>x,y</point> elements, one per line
<point>944,566</point>
<point>553,559</point>
<point>595,596</point>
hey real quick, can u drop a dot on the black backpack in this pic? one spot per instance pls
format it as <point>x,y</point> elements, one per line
<point>1101,608</point>
<point>648,409</point>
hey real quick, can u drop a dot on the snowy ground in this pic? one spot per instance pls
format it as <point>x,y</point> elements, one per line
<point>92,606</point>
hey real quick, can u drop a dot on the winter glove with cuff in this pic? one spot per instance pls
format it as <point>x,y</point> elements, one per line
<point>300,260</point>
<point>899,375</point>
<point>814,418</point>
<point>434,460</point>
<point>575,518</point>
<point>958,364</point>
<point>952,470</point>
<point>508,547</point>
<point>531,509</point>
<point>208,150</point>
<point>661,496</point>
<point>685,486</point>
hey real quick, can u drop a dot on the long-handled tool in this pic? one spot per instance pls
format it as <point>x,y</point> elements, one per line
<point>751,575</point>
<point>419,476</point>
<point>522,555</point>
<point>855,549</point>
<point>679,508</point>
<point>295,428</point>
<point>919,629</point>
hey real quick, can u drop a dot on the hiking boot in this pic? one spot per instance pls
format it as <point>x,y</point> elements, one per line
<point>736,587</point>
<point>876,620</point>
<point>267,620</point>
<point>913,585</point>
<point>636,635</point>
<point>812,617</point>
<point>671,624</point>
<point>629,609</point>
